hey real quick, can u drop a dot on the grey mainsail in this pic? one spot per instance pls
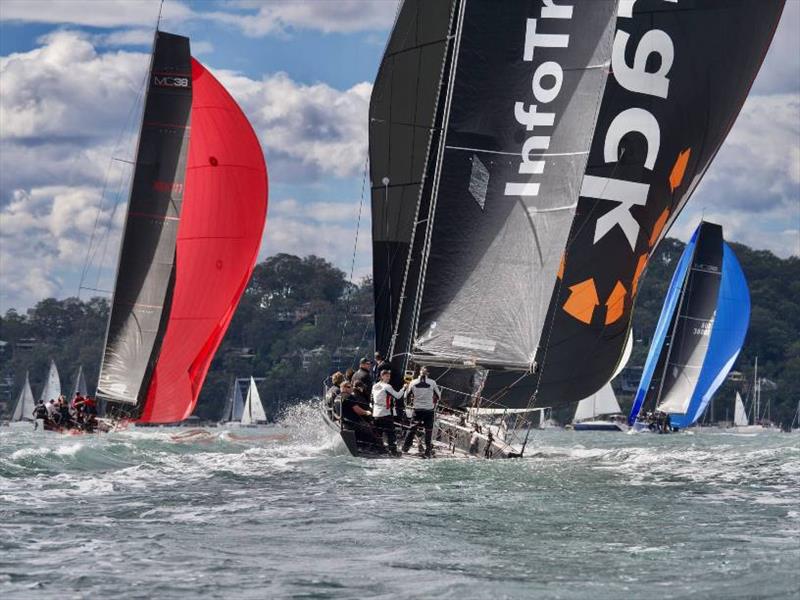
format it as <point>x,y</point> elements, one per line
<point>402,123</point>
<point>146,265</point>
<point>502,108</point>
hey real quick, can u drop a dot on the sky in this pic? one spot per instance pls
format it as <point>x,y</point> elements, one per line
<point>71,79</point>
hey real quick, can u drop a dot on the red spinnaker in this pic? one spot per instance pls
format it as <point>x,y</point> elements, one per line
<point>223,216</point>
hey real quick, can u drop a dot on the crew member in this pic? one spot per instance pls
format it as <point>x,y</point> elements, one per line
<point>354,416</point>
<point>363,377</point>
<point>379,365</point>
<point>426,394</point>
<point>383,396</point>
<point>332,392</point>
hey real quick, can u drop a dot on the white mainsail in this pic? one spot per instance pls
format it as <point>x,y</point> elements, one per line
<point>79,384</point>
<point>52,387</point>
<point>25,403</point>
<point>602,402</point>
<point>739,414</point>
<point>253,409</point>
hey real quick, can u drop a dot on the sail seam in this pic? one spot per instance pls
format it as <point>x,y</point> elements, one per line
<point>485,151</point>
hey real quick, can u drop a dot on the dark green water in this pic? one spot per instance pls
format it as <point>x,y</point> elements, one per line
<point>276,514</point>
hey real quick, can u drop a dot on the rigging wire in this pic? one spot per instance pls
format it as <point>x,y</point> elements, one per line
<point>355,252</point>
<point>90,254</point>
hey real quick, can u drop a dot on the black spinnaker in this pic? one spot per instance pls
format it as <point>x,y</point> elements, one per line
<point>680,73</point>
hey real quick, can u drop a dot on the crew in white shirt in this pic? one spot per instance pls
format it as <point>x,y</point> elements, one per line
<point>426,394</point>
<point>383,397</point>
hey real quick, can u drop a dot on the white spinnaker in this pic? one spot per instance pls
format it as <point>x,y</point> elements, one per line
<point>25,403</point>
<point>739,414</point>
<point>253,409</point>
<point>52,387</point>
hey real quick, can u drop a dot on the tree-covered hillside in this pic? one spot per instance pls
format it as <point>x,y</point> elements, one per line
<point>300,318</point>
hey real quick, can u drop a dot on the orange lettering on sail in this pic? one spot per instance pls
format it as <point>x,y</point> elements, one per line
<point>582,300</point>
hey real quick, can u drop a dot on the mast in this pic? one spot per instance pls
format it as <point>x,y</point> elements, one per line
<point>756,395</point>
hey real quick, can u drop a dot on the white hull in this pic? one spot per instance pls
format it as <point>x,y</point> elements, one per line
<point>753,429</point>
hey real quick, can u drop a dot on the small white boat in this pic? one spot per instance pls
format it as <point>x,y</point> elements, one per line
<point>603,402</point>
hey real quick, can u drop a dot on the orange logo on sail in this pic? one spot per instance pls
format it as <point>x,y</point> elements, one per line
<point>583,300</point>
<point>679,169</point>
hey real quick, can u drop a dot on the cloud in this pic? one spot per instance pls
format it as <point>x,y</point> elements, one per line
<point>106,13</point>
<point>343,16</point>
<point>68,110</point>
<point>66,89</point>
<point>753,186</point>
<point>780,72</point>
<point>324,228</point>
<point>64,105</point>
<point>254,18</point>
<point>45,234</point>
<point>306,130</point>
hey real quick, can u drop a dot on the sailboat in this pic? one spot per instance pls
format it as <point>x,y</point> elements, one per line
<point>507,145</point>
<point>795,425</point>
<point>52,385</point>
<point>741,423</point>
<point>23,411</point>
<point>193,227</point>
<point>600,404</point>
<point>235,405</point>
<point>79,384</point>
<point>253,412</point>
<point>698,337</point>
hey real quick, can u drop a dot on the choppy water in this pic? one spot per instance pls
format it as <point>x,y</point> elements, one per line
<point>171,513</point>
